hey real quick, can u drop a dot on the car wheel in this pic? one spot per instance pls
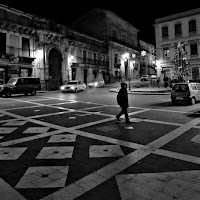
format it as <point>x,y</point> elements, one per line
<point>33,92</point>
<point>193,101</point>
<point>173,102</point>
<point>8,93</point>
<point>75,90</point>
<point>26,93</point>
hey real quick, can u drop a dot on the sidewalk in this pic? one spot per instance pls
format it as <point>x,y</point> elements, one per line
<point>138,87</point>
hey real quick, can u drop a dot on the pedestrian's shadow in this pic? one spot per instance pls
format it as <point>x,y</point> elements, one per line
<point>162,104</point>
<point>169,104</point>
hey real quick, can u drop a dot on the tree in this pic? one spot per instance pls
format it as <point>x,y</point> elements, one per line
<point>182,69</point>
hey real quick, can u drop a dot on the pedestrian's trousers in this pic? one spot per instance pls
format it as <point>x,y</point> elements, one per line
<point>125,112</point>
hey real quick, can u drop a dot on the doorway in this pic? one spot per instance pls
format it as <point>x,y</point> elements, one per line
<point>55,70</point>
<point>85,71</point>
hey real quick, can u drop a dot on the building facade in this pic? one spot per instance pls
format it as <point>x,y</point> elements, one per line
<point>98,45</point>
<point>120,38</point>
<point>147,58</point>
<point>169,31</point>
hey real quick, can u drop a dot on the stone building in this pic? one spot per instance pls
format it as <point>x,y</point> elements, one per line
<point>181,27</point>
<point>17,43</point>
<point>31,46</point>
<point>120,38</point>
<point>87,57</point>
<point>98,45</point>
<point>35,46</point>
<point>147,58</point>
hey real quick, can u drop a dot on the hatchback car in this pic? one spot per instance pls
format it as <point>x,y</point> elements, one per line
<point>73,86</point>
<point>185,92</point>
<point>145,78</point>
<point>96,83</point>
<point>19,85</point>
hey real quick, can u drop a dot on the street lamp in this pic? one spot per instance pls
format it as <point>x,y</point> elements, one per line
<point>144,53</point>
<point>126,57</point>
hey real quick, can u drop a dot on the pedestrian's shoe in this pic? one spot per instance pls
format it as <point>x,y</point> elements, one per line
<point>128,122</point>
<point>118,118</point>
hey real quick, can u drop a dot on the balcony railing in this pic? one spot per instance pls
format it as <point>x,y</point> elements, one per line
<point>16,54</point>
<point>90,61</point>
<point>114,39</point>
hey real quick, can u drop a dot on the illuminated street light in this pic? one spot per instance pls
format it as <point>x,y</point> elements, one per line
<point>126,57</point>
<point>144,53</point>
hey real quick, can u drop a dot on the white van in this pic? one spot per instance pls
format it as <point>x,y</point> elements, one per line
<point>187,92</point>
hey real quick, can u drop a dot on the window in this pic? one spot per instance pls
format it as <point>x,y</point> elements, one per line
<point>164,31</point>
<point>2,43</point>
<point>132,41</point>
<point>165,52</point>
<point>178,30</point>
<point>192,26</point>
<point>25,47</point>
<point>114,34</point>
<point>124,38</point>
<point>193,49</point>
<point>84,56</point>
<point>14,45</point>
<point>116,58</point>
<point>180,87</point>
<point>95,57</point>
<point>195,73</point>
<point>90,55</point>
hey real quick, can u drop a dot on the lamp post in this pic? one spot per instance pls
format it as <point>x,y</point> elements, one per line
<point>126,57</point>
<point>143,53</point>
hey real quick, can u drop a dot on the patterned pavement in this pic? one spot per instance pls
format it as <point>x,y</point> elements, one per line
<point>57,149</point>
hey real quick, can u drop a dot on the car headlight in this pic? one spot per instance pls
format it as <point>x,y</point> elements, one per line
<point>96,84</point>
<point>72,87</point>
<point>62,87</point>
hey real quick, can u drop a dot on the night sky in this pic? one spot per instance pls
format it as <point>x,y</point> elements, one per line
<point>141,14</point>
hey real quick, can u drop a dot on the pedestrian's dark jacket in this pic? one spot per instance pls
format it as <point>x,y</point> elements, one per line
<point>122,98</point>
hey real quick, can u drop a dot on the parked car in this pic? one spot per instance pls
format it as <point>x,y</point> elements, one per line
<point>153,77</point>
<point>97,83</point>
<point>145,78</point>
<point>73,86</point>
<point>185,92</point>
<point>19,85</point>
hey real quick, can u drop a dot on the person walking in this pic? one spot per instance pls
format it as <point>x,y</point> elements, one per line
<point>122,100</point>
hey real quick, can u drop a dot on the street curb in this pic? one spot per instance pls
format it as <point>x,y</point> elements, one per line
<point>145,93</point>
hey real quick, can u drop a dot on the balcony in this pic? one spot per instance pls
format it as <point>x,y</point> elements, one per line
<point>25,60</point>
<point>4,56</point>
<point>90,61</point>
<point>133,46</point>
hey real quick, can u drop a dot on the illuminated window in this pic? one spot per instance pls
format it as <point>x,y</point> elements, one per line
<point>165,52</point>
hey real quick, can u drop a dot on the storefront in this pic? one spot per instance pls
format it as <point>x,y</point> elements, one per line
<point>7,72</point>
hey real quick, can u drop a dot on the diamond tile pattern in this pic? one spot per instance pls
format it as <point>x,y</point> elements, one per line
<point>44,177</point>
<point>55,153</point>
<point>105,151</point>
<point>11,153</point>
<point>36,130</point>
<point>5,130</point>
<point>15,123</point>
<point>62,138</point>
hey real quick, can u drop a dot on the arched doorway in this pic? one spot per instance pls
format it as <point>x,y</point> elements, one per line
<point>55,70</point>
